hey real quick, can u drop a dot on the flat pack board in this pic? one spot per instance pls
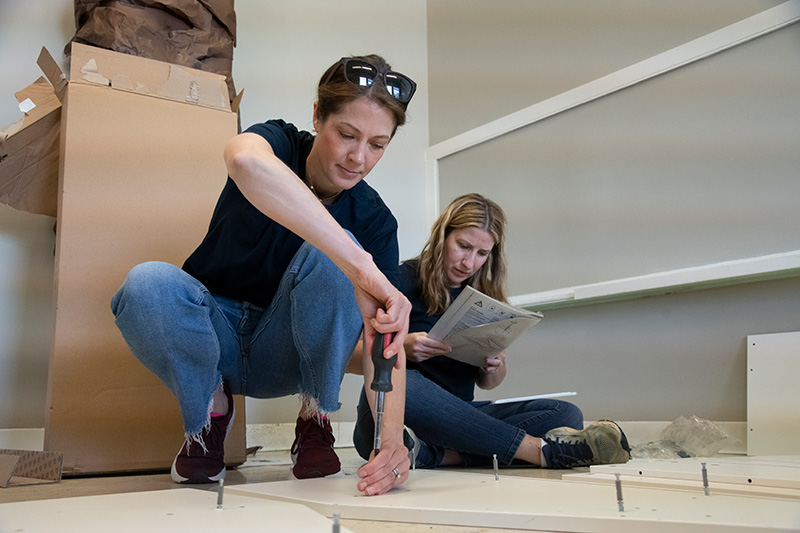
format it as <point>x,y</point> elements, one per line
<point>733,470</point>
<point>140,173</point>
<point>692,486</point>
<point>773,394</point>
<point>478,500</point>
<point>180,509</point>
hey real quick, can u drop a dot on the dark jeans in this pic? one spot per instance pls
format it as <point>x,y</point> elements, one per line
<point>477,430</point>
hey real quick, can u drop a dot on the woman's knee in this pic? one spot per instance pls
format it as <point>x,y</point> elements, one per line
<point>573,416</point>
<point>144,284</point>
<point>309,258</point>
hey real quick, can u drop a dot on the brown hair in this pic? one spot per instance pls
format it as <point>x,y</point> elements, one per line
<point>469,210</point>
<point>334,91</point>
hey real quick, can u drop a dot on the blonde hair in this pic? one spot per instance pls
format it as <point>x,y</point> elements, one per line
<point>469,210</point>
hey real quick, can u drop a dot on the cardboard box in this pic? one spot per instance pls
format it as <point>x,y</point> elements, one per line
<point>29,148</point>
<point>141,168</point>
<point>193,33</point>
<point>29,152</point>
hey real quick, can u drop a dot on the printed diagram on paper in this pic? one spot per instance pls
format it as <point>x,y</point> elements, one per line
<point>477,326</point>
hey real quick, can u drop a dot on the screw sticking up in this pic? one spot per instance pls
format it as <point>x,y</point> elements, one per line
<point>220,489</point>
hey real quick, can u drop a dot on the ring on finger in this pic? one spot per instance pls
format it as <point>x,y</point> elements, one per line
<point>396,473</point>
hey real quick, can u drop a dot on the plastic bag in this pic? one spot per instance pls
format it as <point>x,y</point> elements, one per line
<point>686,437</point>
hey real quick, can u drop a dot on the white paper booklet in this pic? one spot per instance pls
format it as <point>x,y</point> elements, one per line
<point>478,326</point>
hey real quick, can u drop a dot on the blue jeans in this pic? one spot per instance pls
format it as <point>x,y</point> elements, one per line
<point>477,430</point>
<point>192,339</point>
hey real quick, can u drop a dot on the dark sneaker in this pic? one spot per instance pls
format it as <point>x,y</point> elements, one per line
<point>420,453</point>
<point>413,444</point>
<point>598,444</point>
<point>312,449</point>
<point>203,460</point>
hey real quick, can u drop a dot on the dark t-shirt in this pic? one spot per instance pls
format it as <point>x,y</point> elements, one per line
<point>245,253</point>
<point>454,376</point>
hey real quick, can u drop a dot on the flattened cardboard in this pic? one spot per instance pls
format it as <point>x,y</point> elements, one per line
<point>26,467</point>
<point>7,464</point>
<point>29,153</point>
<point>139,177</point>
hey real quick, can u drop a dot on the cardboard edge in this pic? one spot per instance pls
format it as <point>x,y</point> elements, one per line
<point>93,65</point>
<point>11,130</point>
<point>53,73</point>
<point>7,465</point>
<point>236,102</point>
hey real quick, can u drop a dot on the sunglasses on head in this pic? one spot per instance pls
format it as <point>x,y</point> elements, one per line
<point>363,74</point>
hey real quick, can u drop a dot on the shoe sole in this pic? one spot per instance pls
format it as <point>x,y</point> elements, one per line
<point>293,456</point>
<point>198,478</point>
<point>292,477</point>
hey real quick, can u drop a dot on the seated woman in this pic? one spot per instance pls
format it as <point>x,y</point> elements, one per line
<point>447,427</point>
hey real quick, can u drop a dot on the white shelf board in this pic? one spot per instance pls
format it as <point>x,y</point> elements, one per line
<point>692,486</point>
<point>477,500</point>
<point>751,269</point>
<point>734,470</point>
<point>180,509</point>
<point>773,394</point>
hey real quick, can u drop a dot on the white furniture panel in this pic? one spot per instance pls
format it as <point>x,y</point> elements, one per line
<point>477,500</point>
<point>180,509</point>
<point>773,394</point>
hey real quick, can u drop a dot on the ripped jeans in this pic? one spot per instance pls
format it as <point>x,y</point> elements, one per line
<point>192,339</point>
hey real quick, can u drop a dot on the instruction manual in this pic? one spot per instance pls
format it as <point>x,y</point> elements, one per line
<point>477,326</point>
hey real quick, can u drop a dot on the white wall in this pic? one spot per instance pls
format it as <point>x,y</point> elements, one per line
<point>283,48</point>
<point>27,242</point>
<point>653,358</point>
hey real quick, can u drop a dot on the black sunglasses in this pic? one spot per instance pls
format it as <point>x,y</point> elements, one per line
<point>363,74</point>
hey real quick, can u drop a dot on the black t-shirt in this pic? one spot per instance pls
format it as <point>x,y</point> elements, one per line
<point>454,376</point>
<point>245,253</point>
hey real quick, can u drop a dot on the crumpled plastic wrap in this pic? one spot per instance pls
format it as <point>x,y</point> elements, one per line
<point>686,437</point>
<point>198,34</point>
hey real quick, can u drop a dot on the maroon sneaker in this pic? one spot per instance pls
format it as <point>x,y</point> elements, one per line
<point>312,449</point>
<point>204,461</point>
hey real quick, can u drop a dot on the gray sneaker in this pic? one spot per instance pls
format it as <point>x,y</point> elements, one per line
<point>600,443</point>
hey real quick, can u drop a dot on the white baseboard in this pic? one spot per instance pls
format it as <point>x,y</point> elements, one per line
<point>280,436</point>
<point>269,436</point>
<point>273,437</point>
<point>22,439</point>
